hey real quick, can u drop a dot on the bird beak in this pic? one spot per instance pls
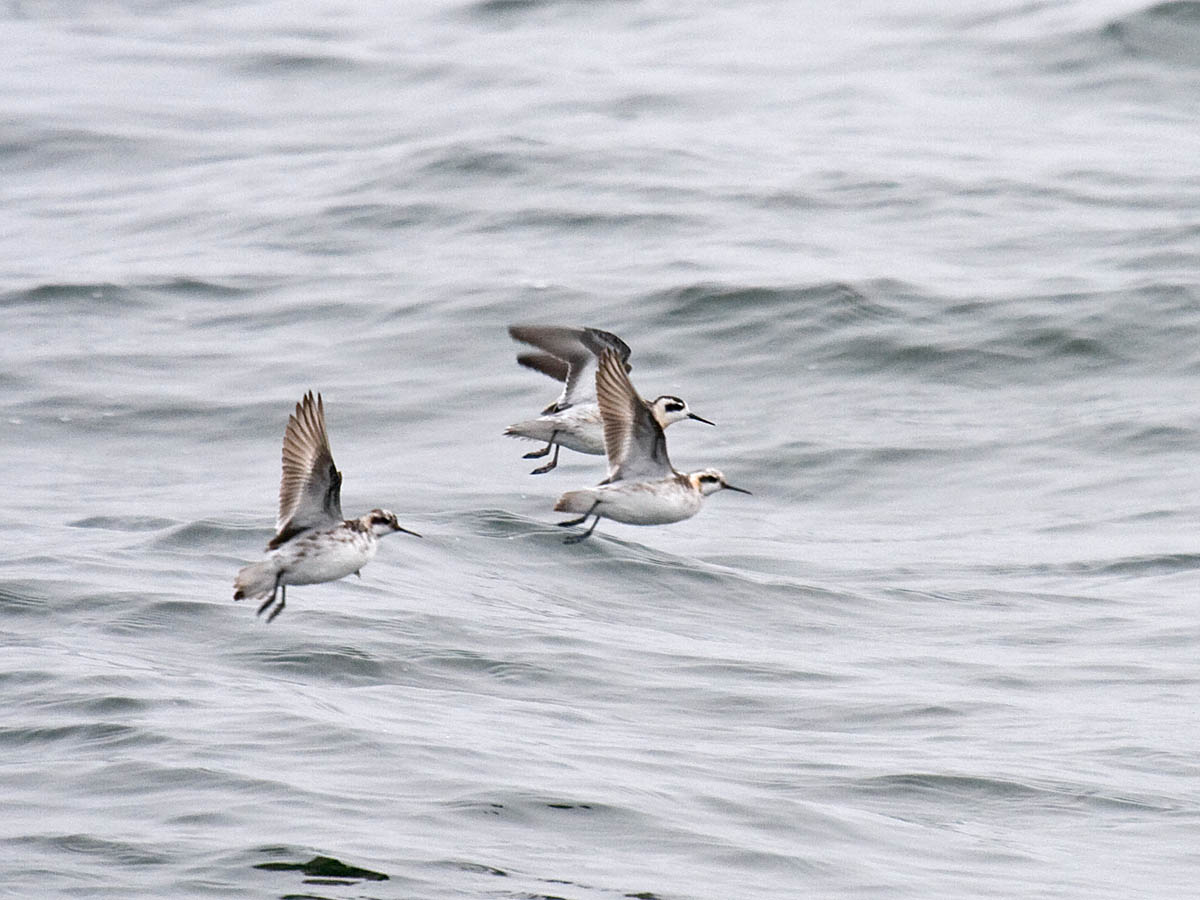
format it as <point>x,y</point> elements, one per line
<point>692,415</point>
<point>730,487</point>
<point>406,531</point>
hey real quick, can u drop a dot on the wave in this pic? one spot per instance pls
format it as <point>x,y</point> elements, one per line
<point>1167,32</point>
<point>886,326</point>
<point>984,789</point>
<point>107,297</point>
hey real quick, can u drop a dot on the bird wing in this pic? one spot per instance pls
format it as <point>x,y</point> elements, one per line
<point>311,487</point>
<point>633,439</point>
<point>546,363</point>
<point>578,348</point>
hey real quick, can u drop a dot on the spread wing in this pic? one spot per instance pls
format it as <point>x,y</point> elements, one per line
<point>633,439</point>
<point>546,364</point>
<point>311,487</point>
<point>598,341</point>
<point>577,348</point>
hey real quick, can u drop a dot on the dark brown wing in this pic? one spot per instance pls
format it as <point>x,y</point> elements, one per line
<point>546,364</point>
<point>578,348</point>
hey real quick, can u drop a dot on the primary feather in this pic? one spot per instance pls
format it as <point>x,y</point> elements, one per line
<point>311,486</point>
<point>633,439</point>
<point>578,348</point>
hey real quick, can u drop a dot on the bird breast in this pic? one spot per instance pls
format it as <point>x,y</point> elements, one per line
<point>648,502</point>
<point>318,556</point>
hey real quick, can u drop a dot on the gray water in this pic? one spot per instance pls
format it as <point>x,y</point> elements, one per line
<point>933,271</point>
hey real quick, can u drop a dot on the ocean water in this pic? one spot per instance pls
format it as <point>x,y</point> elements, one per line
<point>933,270</point>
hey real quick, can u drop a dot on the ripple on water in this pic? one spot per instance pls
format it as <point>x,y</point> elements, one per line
<point>918,786</point>
<point>1167,32</point>
<point>79,736</point>
<point>124,523</point>
<point>118,852</point>
<point>24,598</point>
<point>338,664</point>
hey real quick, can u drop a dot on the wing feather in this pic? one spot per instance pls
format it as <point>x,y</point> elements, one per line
<point>311,486</point>
<point>546,363</point>
<point>578,348</point>
<point>633,439</point>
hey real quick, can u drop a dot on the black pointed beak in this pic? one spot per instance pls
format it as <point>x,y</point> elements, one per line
<point>692,415</point>
<point>730,487</point>
<point>406,531</point>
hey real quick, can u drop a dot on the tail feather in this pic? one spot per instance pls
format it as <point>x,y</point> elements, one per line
<point>575,501</point>
<point>255,581</point>
<point>531,430</point>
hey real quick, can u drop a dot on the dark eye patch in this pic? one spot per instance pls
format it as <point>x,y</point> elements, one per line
<point>674,407</point>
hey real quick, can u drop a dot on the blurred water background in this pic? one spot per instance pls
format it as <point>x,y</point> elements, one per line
<point>932,268</point>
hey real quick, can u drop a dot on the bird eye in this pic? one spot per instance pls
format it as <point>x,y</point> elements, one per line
<point>674,407</point>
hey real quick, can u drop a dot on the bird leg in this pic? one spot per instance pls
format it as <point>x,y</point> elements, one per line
<point>542,470</point>
<point>581,519</point>
<point>283,599</point>
<point>538,454</point>
<point>271,599</point>
<point>576,538</point>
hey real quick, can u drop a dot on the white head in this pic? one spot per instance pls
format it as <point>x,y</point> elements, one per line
<point>381,522</point>
<point>668,409</point>
<point>709,481</point>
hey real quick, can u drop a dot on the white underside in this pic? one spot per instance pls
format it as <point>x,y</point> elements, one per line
<point>577,428</point>
<point>636,503</point>
<point>317,556</point>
